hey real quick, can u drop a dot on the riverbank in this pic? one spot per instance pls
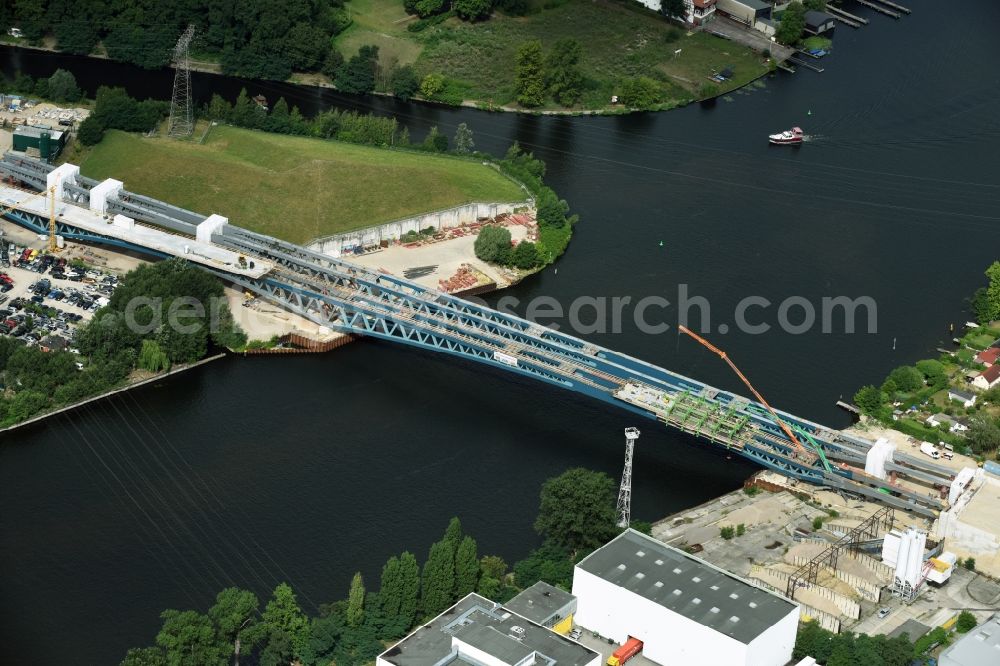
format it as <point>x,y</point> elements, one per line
<point>476,61</point>
<point>132,384</point>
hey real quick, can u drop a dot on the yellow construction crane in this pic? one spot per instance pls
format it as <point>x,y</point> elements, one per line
<point>52,213</point>
<point>802,450</point>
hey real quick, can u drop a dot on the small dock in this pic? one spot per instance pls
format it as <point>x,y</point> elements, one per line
<point>899,8</point>
<point>849,407</point>
<point>882,9</point>
<point>846,17</point>
<point>807,65</point>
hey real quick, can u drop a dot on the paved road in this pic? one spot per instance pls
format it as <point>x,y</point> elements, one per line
<point>742,34</point>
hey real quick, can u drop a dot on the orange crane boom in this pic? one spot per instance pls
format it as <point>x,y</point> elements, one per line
<point>784,426</point>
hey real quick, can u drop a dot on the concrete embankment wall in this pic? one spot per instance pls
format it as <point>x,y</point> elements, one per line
<point>339,244</point>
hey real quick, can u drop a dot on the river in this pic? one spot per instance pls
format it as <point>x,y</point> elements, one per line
<point>306,469</point>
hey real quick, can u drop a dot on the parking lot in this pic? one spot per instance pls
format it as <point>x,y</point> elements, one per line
<point>43,297</point>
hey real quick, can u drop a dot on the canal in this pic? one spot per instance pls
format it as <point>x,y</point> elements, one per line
<point>253,471</point>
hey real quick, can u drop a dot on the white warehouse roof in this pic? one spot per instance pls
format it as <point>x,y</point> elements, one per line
<point>687,586</point>
<point>979,647</point>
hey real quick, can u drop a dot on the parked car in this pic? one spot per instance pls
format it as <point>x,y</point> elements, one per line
<point>883,612</point>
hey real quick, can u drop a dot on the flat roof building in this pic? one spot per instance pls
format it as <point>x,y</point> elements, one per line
<point>479,632</point>
<point>979,647</point>
<point>48,142</point>
<point>546,605</point>
<point>685,610</point>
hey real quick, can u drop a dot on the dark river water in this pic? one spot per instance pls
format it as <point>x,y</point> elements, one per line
<point>306,469</point>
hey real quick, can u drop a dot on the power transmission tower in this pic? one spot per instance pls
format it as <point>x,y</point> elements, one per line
<point>181,122</point>
<point>625,492</point>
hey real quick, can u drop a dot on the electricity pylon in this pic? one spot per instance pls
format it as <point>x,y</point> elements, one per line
<point>181,123</point>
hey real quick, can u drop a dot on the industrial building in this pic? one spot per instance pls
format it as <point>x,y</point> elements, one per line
<point>685,610</point>
<point>979,647</point>
<point>39,141</point>
<point>546,605</point>
<point>479,632</point>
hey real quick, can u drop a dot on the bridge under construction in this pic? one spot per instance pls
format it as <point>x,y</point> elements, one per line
<point>349,298</point>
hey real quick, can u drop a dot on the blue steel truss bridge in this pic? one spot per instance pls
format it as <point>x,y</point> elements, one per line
<point>346,297</point>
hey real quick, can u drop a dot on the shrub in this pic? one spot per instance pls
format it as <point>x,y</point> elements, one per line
<point>818,523</point>
<point>966,622</point>
<point>741,529</point>
<point>726,532</point>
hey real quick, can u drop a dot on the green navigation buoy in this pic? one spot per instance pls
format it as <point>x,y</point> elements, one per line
<point>661,243</point>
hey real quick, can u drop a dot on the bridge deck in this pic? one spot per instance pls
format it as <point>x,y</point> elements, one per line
<point>137,234</point>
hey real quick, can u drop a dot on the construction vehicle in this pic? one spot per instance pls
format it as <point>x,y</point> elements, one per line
<point>628,649</point>
<point>801,451</point>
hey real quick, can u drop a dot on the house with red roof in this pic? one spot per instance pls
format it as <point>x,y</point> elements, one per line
<point>988,378</point>
<point>989,356</point>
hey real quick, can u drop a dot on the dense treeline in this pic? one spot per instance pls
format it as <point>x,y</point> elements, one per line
<point>849,649</point>
<point>576,515</point>
<point>60,87</point>
<point>254,38</point>
<point>134,331</point>
<point>115,109</point>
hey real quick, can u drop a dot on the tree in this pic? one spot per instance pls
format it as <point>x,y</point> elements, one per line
<point>970,563</point>
<point>62,87</point>
<point>726,532</point>
<point>869,400</point>
<point>991,311</point>
<point>148,656</point>
<point>358,74</point>
<point>562,76</point>
<point>189,639</point>
<point>234,613</point>
<point>466,567</point>
<point>673,8</point>
<point>404,82</point>
<point>356,601</point>
<point>472,10</point>
<point>983,434</point>
<point>932,370</point>
<point>219,109</point>
<point>525,255</point>
<point>577,509</point>
<point>907,378</point>
<point>152,358</point>
<point>793,22</point>
<point>966,622</point>
<point>438,579</point>
<point>815,5</point>
<point>463,139</point>
<point>493,566</point>
<point>435,141</point>
<point>529,80</point>
<point>282,622</point>
<point>640,92</point>
<point>409,574</point>
<point>549,562</point>
<point>432,85</point>
<point>492,244</point>
<point>91,131</point>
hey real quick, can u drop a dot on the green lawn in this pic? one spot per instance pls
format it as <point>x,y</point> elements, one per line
<point>293,188</point>
<point>382,23</point>
<point>620,40</point>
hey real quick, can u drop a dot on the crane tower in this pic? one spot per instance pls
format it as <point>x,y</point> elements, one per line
<point>625,492</point>
<point>181,123</point>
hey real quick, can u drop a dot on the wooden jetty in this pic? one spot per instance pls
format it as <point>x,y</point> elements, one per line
<point>899,8</point>
<point>882,9</point>
<point>848,406</point>
<point>846,17</point>
<point>807,65</point>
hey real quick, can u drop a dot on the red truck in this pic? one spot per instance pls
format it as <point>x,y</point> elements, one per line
<point>629,649</point>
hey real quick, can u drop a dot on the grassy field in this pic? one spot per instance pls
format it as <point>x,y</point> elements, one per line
<point>293,188</point>
<point>619,40</point>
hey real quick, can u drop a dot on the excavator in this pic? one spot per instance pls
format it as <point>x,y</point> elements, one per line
<point>801,452</point>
